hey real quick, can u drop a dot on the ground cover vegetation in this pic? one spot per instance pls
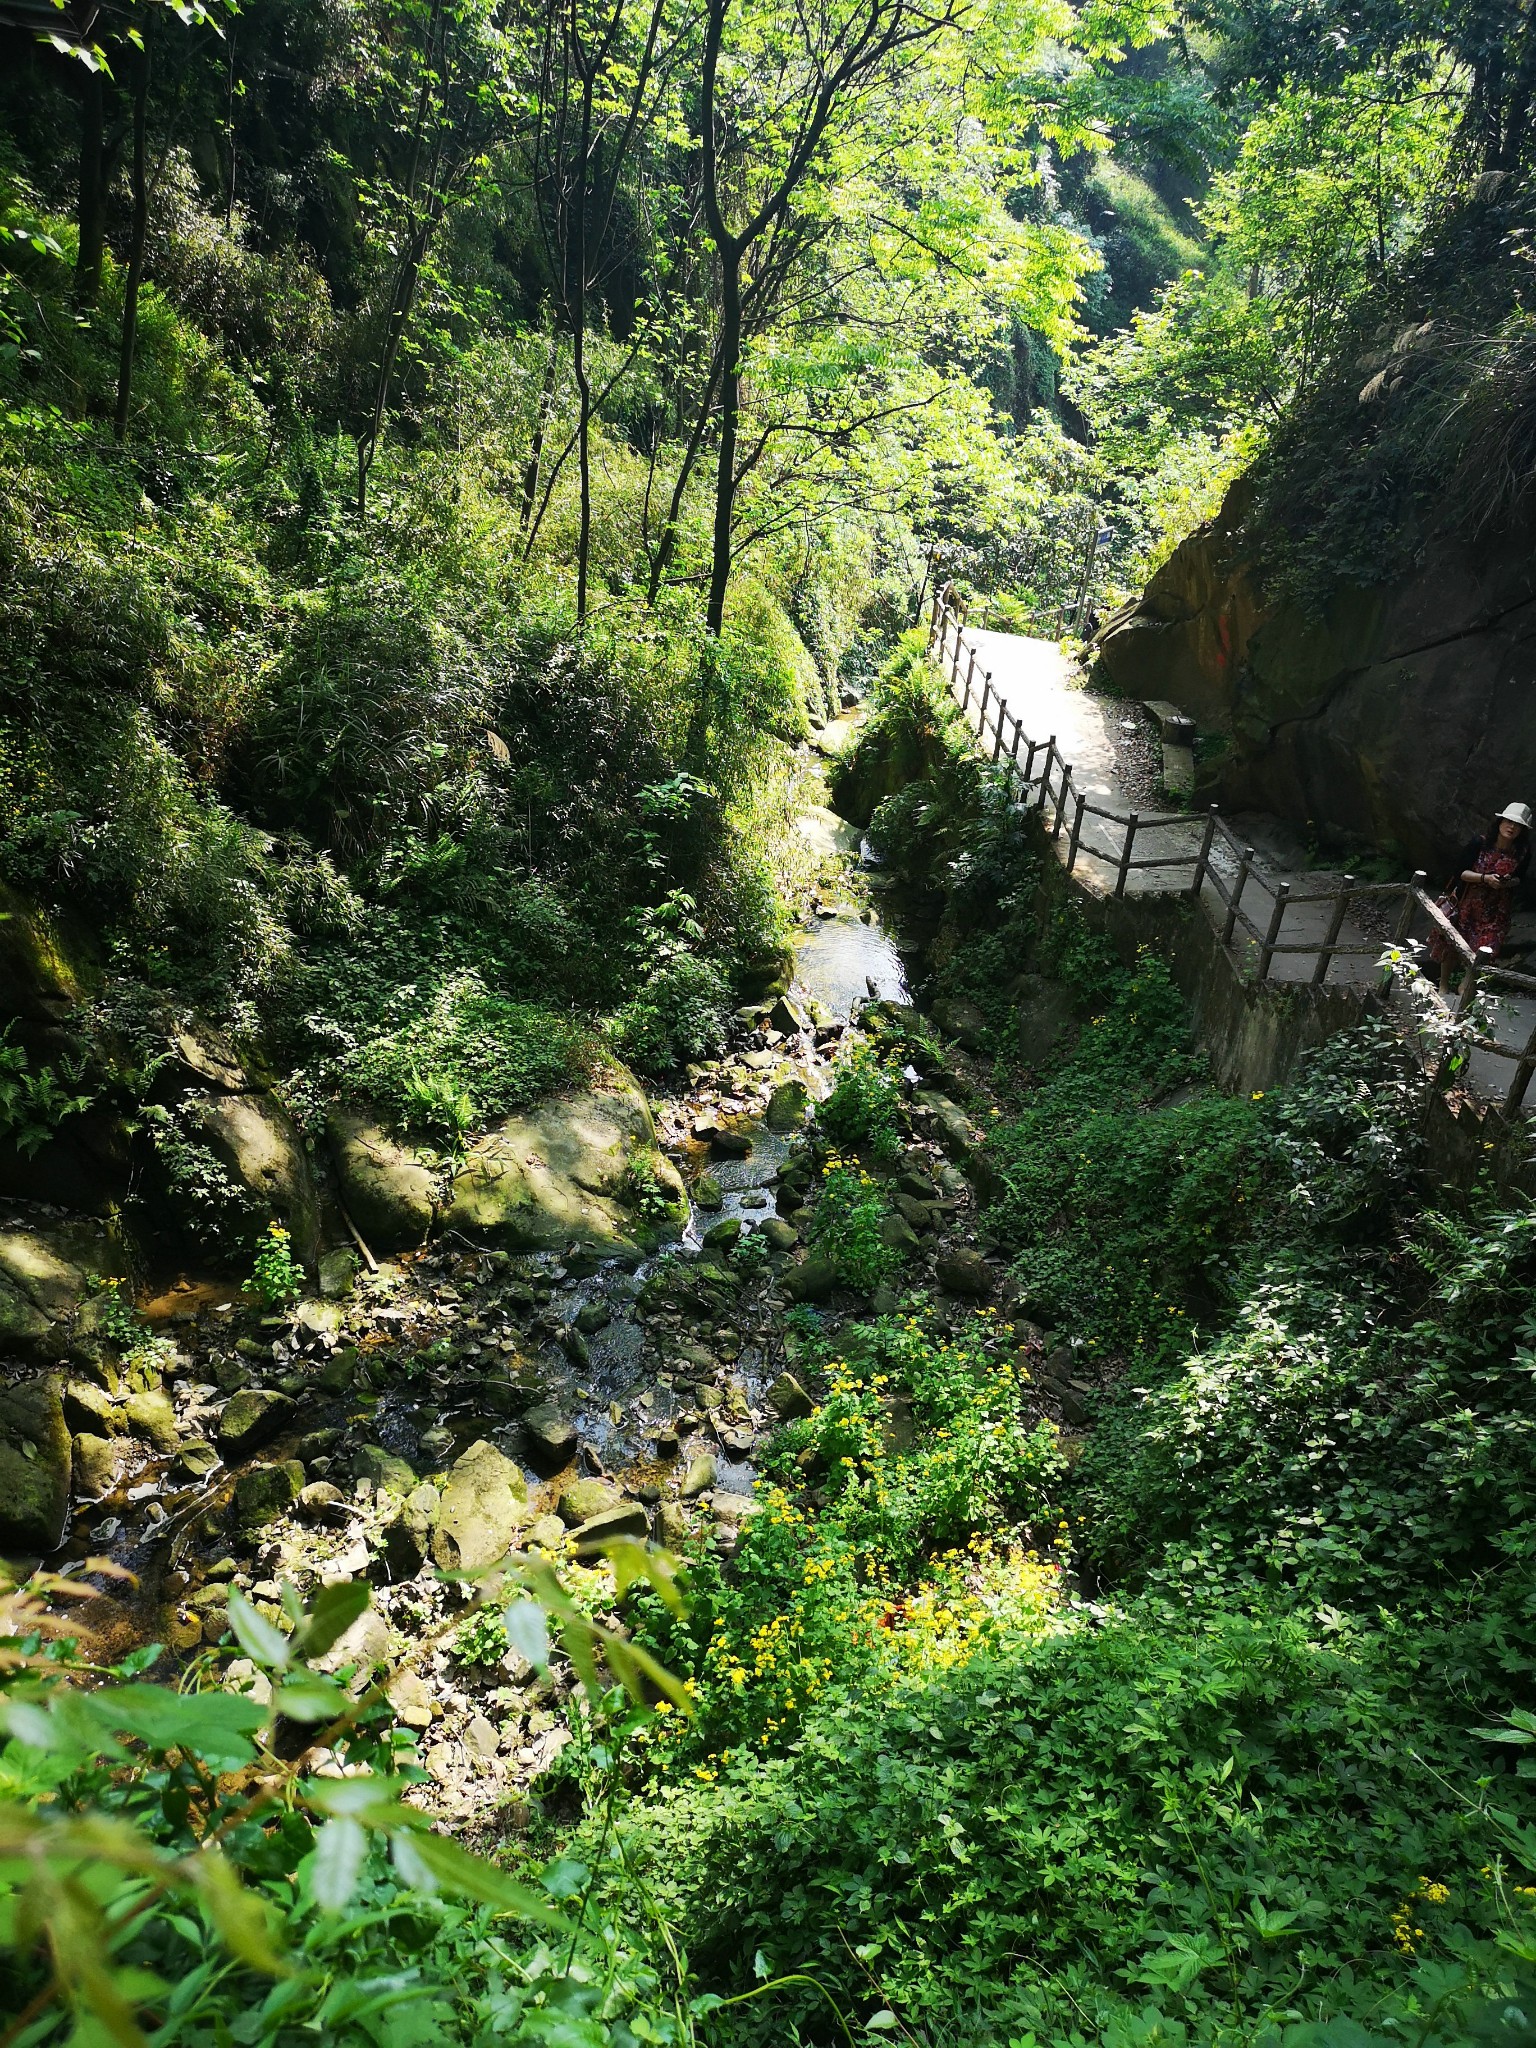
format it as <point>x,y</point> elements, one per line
<point>449,455</point>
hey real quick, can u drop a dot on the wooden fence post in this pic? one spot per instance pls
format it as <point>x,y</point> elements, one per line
<point>981,715</point>
<point>1243,868</point>
<point>970,673</point>
<point>1076,838</point>
<point>1481,959</point>
<point>997,744</point>
<point>1061,801</point>
<point>1203,857</point>
<point>1045,780</point>
<point>1335,926</point>
<point>1282,894</point>
<point>1521,1080</point>
<point>1125,852</point>
<point>933,616</point>
<point>1405,915</point>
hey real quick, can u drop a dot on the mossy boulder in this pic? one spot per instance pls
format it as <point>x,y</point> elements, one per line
<point>389,1188</point>
<point>483,1505</point>
<point>559,1174</point>
<point>36,1466</point>
<point>46,1271</point>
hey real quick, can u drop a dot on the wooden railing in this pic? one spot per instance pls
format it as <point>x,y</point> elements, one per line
<point>1042,778</point>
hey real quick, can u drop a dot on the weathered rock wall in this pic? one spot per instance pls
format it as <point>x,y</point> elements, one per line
<point>1405,715</point>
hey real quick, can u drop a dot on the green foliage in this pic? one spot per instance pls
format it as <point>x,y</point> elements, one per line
<point>35,1103</point>
<point>457,1055</point>
<point>277,1278</point>
<point>862,1113</point>
<point>677,1017</point>
<point>845,1227</point>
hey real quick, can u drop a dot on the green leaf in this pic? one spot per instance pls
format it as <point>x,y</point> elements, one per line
<point>528,1632</point>
<point>261,1642</point>
<point>880,2022</point>
<point>213,1726</point>
<point>454,1870</point>
<point>310,1697</point>
<point>329,1615</point>
<point>341,1850</point>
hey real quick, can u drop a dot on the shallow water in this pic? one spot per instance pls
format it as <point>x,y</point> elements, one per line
<point>841,961</point>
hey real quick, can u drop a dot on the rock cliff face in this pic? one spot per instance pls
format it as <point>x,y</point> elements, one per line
<point>1406,715</point>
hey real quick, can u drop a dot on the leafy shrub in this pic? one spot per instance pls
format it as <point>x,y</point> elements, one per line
<point>846,1225</point>
<point>276,1276</point>
<point>35,1102</point>
<point>461,1054</point>
<point>1123,1215</point>
<point>863,1111</point>
<point>677,1017</point>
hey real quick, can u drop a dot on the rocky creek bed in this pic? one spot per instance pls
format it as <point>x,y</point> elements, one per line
<point>428,1415</point>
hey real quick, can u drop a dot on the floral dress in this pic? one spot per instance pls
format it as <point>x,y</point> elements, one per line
<point>1481,915</point>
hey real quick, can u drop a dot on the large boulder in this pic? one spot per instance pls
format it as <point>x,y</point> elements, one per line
<point>46,1271</point>
<point>254,1139</point>
<point>389,1188</point>
<point>483,1505</point>
<point>559,1173</point>
<point>35,1466</point>
<point>1395,714</point>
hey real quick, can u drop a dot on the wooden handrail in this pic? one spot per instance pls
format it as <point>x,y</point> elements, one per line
<point>1052,785</point>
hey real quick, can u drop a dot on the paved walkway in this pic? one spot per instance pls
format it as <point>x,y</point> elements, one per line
<point>1040,688</point>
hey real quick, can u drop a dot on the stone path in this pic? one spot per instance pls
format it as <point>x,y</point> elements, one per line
<point>1040,687</point>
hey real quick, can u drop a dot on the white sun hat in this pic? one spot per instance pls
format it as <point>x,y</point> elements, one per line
<point>1518,814</point>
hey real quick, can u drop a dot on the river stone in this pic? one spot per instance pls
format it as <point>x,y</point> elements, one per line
<point>320,1500</point>
<point>92,1409</point>
<point>788,1017</point>
<point>547,1532</point>
<point>918,1214</point>
<point>627,1519</point>
<point>151,1416</point>
<point>263,1492</point>
<point>1044,1016</point>
<point>97,1463</point>
<point>550,1437</point>
<point>389,1188</point>
<point>734,1510</point>
<point>483,1506</point>
<point>731,1144</point>
<point>45,1278</point>
<point>812,1279</point>
<point>962,1020</point>
<point>389,1473</point>
<point>592,1317</point>
<point>253,1418</point>
<point>787,1106</point>
<point>557,1175</point>
<point>707,1192</point>
<point>898,1233</point>
<point>196,1459</point>
<point>338,1272</point>
<point>699,1478</point>
<point>581,1499</point>
<point>788,1399</point>
<point>722,1235</point>
<point>408,1694</point>
<point>967,1273</point>
<point>778,1235</point>
<point>35,1465</point>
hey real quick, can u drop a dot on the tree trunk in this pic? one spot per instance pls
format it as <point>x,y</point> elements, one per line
<point>137,237</point>
<point>93,191</point>
<point>730,410</point>
<point>579,348</point>
<point>540,429</point>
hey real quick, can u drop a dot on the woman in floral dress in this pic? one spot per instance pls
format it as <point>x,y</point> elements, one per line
<point>1480,897</point>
